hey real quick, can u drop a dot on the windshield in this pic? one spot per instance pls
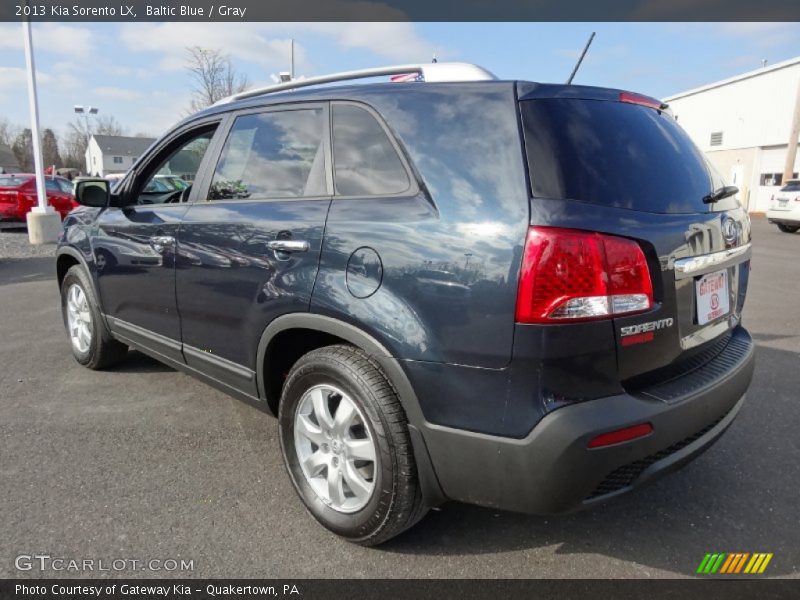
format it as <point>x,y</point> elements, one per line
<point>13,180</point>
<point>791,186</point>
<point>614,154</point>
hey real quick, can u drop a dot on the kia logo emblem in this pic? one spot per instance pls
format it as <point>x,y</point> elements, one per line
<point>730,230</point>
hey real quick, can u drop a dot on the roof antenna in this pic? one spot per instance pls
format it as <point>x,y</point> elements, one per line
<point>435,60</point>
<point>580,60</point>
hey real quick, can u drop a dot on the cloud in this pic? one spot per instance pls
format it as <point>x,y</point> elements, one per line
<point>65,40</point>
<point>117,93</point>
<point>268,45</point>
<point>760,34</point>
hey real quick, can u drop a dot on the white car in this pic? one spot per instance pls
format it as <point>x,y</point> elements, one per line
<point>784,208</point>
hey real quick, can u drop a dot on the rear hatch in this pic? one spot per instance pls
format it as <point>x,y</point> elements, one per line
<point>619,164</point>
<point>787,196</point>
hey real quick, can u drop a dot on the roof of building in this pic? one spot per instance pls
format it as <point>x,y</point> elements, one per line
<point>7,159</point>
<point>749,74</point>
<point>120,145</point>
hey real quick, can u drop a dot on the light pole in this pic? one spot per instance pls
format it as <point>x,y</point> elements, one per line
<point>86,112</point>
<point>44,223</point>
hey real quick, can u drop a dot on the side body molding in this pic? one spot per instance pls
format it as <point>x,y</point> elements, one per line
<point>431,488</point>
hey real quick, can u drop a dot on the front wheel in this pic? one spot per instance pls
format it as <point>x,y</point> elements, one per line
<point>346,446</point>
<point>92,344</point>
<point>788,228</point>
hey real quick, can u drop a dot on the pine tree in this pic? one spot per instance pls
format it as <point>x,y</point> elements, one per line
<point>50,154</point>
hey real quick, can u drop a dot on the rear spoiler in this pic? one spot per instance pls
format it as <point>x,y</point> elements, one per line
<point>527,90</point>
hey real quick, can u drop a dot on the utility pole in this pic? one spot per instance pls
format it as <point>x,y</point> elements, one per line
<point>791,149</point>
<point>44,223</point>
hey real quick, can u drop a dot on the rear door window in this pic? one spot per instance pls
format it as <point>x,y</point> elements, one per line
<point>272,155</point>
<point>614,154</point>
<point>365,162</point>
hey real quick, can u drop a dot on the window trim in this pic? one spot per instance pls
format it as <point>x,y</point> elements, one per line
<point>152,156</point>
<point>413,188</point>
<point>225,130</point>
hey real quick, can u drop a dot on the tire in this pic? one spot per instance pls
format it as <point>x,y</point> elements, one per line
<point>93,347</point>
<point>337,376</point>
<point>788,228</point>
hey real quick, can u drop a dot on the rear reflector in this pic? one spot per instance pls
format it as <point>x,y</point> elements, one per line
<point>621,435</point>
<point>571,275</point>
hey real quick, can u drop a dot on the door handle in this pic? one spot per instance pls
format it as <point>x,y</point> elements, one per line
<point>289,246</point>
<point>159,243</point>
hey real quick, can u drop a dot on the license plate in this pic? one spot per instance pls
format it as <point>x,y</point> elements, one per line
<point>783,201</point>
<point>713,300</point>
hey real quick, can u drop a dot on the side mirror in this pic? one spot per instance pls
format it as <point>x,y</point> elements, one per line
<point>92,192</point>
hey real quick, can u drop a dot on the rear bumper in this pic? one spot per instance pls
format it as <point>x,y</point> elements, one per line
<point>551,470</point>
<point>10,212</point>
<point>786,217</point>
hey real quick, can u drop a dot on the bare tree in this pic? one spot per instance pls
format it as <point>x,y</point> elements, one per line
<point>73,149</point>
<point>214,76</point>
<point>8,132</point>
<point>23,150</point>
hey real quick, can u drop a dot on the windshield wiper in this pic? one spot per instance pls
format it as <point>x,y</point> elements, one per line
<point>720,193</point>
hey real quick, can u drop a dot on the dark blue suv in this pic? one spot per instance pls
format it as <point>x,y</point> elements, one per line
<point>512,294</point>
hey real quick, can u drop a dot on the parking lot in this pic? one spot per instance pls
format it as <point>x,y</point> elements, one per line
<point>143,462</point>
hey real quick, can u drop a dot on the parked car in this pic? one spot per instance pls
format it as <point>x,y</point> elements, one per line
<point>18,195</point>
<point>784,209</point>
<point>596,267</point>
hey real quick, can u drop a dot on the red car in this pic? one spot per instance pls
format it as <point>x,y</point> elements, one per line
<point>18,195</point>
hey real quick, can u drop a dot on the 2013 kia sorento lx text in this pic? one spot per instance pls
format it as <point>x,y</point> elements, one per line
<point>512,294</point>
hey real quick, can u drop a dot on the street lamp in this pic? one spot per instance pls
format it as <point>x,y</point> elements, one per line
<point>86,111</point>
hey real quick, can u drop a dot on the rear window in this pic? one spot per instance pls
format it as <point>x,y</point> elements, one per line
<point>12,180</point>
<point>614,154</point>
<point>791,186</point>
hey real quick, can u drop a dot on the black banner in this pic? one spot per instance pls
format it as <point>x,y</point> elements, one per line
<point>398,10</point>
<point>365,589</point>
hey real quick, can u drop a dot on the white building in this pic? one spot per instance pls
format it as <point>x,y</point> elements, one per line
<point>743,125</point>
<point>108,154</point>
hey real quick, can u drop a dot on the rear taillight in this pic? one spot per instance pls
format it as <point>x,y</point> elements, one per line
<point>571,275</point>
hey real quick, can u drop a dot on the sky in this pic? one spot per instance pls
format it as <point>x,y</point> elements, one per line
<point>136,71</point>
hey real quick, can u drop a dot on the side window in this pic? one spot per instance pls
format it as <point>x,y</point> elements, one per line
<point>272,155</point>
<point>51,185</point>
<point>180,162</point>
<point>65,185</point>
<point>365,162</point>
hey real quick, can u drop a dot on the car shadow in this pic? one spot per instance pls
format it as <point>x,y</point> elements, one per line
<point>740,496</point>
<point>139,362</point>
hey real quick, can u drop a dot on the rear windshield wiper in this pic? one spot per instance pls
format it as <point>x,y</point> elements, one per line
<point>720,193</point>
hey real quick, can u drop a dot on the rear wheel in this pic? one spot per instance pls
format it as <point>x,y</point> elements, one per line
<point>346,446</point>
<point>92,344</point>
<point>788,228</point>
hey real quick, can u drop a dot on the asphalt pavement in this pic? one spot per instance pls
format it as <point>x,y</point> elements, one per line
<point>142,462</point>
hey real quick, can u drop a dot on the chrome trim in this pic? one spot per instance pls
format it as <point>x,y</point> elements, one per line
<point>696,265</point>
<point>289,245</point>
<point>709,332</point>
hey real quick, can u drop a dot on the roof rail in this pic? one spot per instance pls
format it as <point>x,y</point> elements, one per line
<point>431,72</point>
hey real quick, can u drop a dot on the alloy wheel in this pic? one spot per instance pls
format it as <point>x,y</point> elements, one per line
<point>335,448</point>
